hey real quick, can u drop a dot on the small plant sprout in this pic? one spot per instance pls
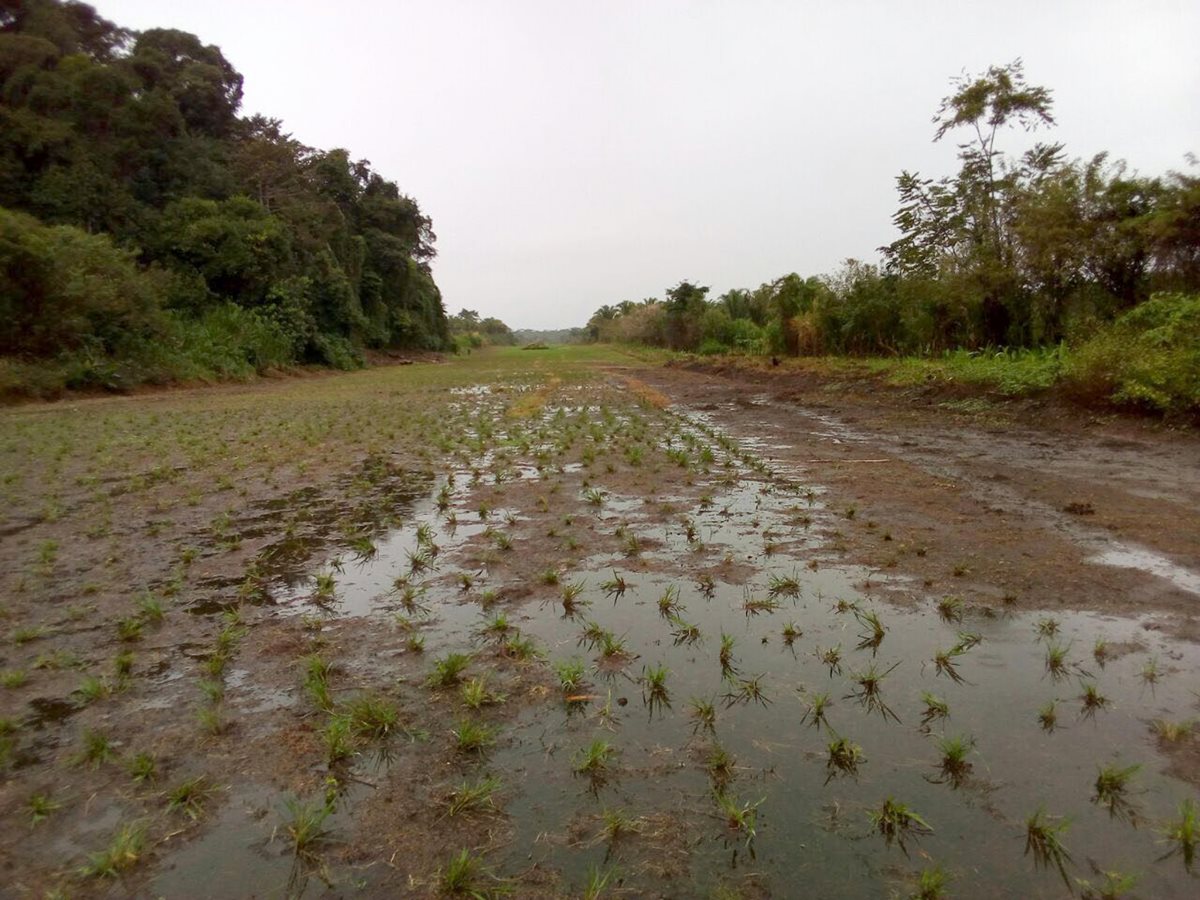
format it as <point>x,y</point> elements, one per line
<point>950,609</point>
<point>326,587</point>
<point>1150,671</point>
<point>473,737</point>
<point>571,675</point>
<point>815,715</point>
<point>616,586</point>
<point>476,694</point>
<point>1047,627</point>
<point>791,633</point>
<point>954,765</point>
<point>1172,732</point>
<point>931,884</point>
<point>617,824</point>
<point>189,797</point>
<point>1092,700</point>
<point>41,807</point>
<point>473,797</point>
<point>703,715</point>
<point>594,758</point>
<point>1182,834</point>
<point>96,749</point>
<point>520,648</point>
<point>706,584</point>
<point>897,823</point>
<point>654,687</point>
<point>784,586</point>
<point>304,824</point>
<point>967,640</point>
<point>873,632</point>
<point>1100,652</point>
<point>726,654</point>
<point>684,632</point>
<point>1114,886</point>
<point>869,690</point>
<point>571,594</point>
<point>753,606</point>
<point>1112,791</point>
<point>668,603</point>
<point>739,817</point>
<point>448,670</point>
<point>373,717</point>
<point>1048,716</point>
<point>831,657</point>
<point>945,663</point>
<point>747,690</point>
<point>142,767</point>
<point>121,854</point>
<point>465,875</point>
<point>1056,660</point>
<point>845,756</point>
<point>1043,839</point>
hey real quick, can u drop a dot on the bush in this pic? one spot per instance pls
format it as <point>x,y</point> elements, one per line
<point>1149,358</point>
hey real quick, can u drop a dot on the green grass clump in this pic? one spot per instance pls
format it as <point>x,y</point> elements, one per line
<point>122,853</point>
<point>595,757</point>
<point>898,823</point>
<point>1043,839</point>
<point>448,670</point>
<point>473,796</point>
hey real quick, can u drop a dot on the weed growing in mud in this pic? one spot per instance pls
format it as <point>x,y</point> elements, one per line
<point>832,658</point>
<point>845,756</point>
<point>189,797</point>
<point>707,585</point>
<point>1115,886</point>
<point>1056,661</point>
<point>616,586</point>
<point>92,689</point>
<point>122,853</point>
<point>316,681</point>
<point>784,586</point>
<point>874,631</point>
<point>520,648</point>
<point>1092,700</point>
<point>953,764</point>
<point>447,671</point>
<point>473,737</point>
<point>466,876</point>
<point>41,807</point>
<point>791,633</point>
<point>476,694</point>
<point>747,690</point>
<point>1112,791</point>
<point>473,796</point>
<point>571,594</point>
<point>870,690</point>
<point>945,663</point>
<point>753,606</point>
<point>142,767</point>
<point>617,824</point>
<point>570,675</point>
<point>1172,732</point>
<point>304,824</point>
<point>211,720</point>
<point>654,687</point>
<point>931,884</point>
<point>1043,839</point>
<point>1047,627</point>
<point>898,823</point>
<point>1182,833</point>
<point>374,717</point>
<point>950,609</point>
<point>738,817</point>
<point>595,757</point>
<point>726,653</point>
<point>97,749</point>
<point>1150,671</point>
<point>1100,652</point>
<point>703,714</point>
<point>1048,716</point>
<point>684,632</point>
<point>338,737</point>
<point>668,603</point>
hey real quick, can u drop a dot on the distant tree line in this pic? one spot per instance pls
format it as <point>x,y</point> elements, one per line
<point>468,331</point>
<point>1022,252</point>
<point>148,231</point>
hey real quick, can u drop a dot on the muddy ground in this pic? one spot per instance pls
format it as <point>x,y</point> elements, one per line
<point>1007,506</point>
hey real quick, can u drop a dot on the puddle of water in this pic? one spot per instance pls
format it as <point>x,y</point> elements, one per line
<point>1125,557</point>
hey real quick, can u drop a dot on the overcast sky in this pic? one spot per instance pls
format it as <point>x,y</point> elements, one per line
<point>573,154</point>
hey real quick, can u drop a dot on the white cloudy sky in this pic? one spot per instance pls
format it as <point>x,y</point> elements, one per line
<point>573,154</point>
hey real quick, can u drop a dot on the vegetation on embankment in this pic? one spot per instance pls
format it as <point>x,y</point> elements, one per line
<point>1018,272</point>
<point>151,234</point>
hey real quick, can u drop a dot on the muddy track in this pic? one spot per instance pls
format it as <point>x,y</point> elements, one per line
<point>1005,502</point>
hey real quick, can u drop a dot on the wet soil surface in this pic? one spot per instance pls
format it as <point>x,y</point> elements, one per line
<point>639,632</point>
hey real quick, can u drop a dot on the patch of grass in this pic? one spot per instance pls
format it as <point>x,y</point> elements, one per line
<point>1182,833</point>
<point>474,737</point>
<point>703,714</point>
<point>869,690</point>
<point>747,690</point>
<point>373,716</point>
<point>1048,716</point>
<point>1043,839</point>
<point>473,796</point>
<point>304,825</point>
<point>142,767</point>
<point>738,817</point>
<point>121,854</point>
<point>951,609</point>
<point>189,797</point>
<point>898,823</point>
<point>595,757</point>
<point>954,752</point>
<point>465,875</point>
<point>448,670</point>
<point>476,694</point>
<point>1092,700</point>
<point>845,756</point>
<point>41,807</point>
<point>13,678</point>
<point>96,750</point>
<point>1112,790</point>
<point>935,708</point>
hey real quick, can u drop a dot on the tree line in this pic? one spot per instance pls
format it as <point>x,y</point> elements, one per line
<point>148,231</point>
<point>1026,251</point>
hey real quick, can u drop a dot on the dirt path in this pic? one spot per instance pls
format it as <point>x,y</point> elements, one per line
<point>981,503</point>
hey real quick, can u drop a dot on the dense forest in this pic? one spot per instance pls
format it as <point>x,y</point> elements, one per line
<point>148,232</point>
<point>1083,259</point>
